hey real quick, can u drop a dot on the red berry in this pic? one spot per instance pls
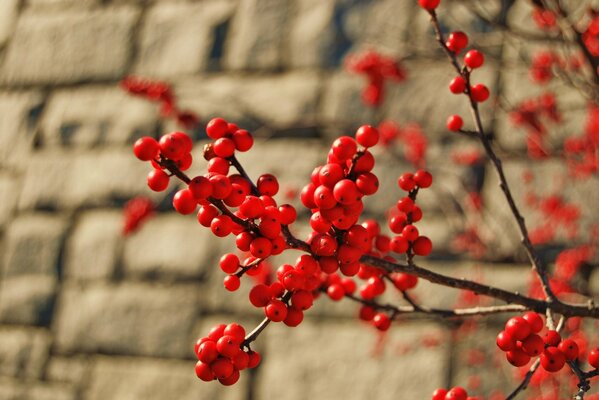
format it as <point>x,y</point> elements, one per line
<point>200,187</point>
<point>570,349</point>
<point>252,207</point>
<point>224,147</point>
<point>254,359</point>
<point>422,246</point>
<point>399,244</point>
<point>268,185</point>
<point>207,352</point>
<point>552,359</point>
<point>335,292</point>
<point>423,179</point>
<point>236,331</point>
<point>346,192</point>
<point>381,321</point>
<point>533,345</point>
<point>594,357</point>
<point>243,140</point>
<point>229,263</point>
<point>231,379</point>
<point>457,85</point>
<point>146,148</point>
<point>479,92</point>
<point>204,372</point>
<point>552,338</point>
<point>222,368</point>
<point>302,300</point>
<point>216,332</point>
<point>158,180</point>
<point>217,128</point>
<point>276,310</point>
<point>410,233</point>
<point>231,283</point>
<point>517,358</point>
<point>405,204</point>
<point>221,225</point>
<point>287,214</point>
<point>454,123</point>
<point>261,247</point>
<point>172,147</point>
<point>429,4</point>
<point>456,393</point>
<point>344,148</point>
<point>406,182</point>
<point>457,41</point>
<point>184,202</point>
<point>367,183</point>
<point>505,341</point>
<point>294,317</point>
<point>535,321</point>
<point>241,360</point>
<point>260,295</point>
<point>518,328</point>
<point>474,59</point>
<point>367,136</point>
<point>439,394</point>
<point>227,346</point>
<point>218,165</point>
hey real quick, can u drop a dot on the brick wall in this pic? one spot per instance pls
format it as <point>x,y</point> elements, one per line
<point>88,314</point>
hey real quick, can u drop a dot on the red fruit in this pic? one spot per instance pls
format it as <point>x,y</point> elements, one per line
<point>243,140</point>
<point>570,349</point>
<point>158,180</point>
<point>346,192</point>
<point>457,85</point>
<point>231,283</point>
<point>207,214</point>
<point>218,165</point>
<point>456,393</point>
<point>335,292</point>
<point>216,332</point>
<point>399,244</point>
<point>231,379</point>
<point>439,394</point>
<point>367,136</point>
<point>221,186</point>
<point>429,4</point>
<point>474,59</point>
<point>251,207</point>
<point>172,147</point>
<point>287,214</point>
<point>222,368</point>
<point>518,328</point>
<point>367,183</point>
<point>405,204</point>
<point>517,358</point>
<point>207,352</point>
<point>457,41</point>
<point>594,357</point>
<point>381,321</point>
<point>227,346</point>
<point>260,295</point>
<point>221,225</point>
<point>367,313</point>
<point>330,174</point>
<point>184,202</point>
<point>423,179</point>
<point>224,147</point>
<point>344,148</point>
<point>217,128</point>
<point>323,245</point>
<point>229,263</point>
<point>241,360</point>
<point>454,123</point>
<point>200,187</point>
<point>324,198</point>
<point>146,148</point>
<point>406,182</point>
<point>552,359</point>
<point>505,341</point>
<point>204,372</point>
<point>275,310</point>
<point>410,233</point>
<point>479,92</point>
<point>302,300</point>
<point>185,162</point>
<point>236,331</point>
<point>552,338</point>
<point>268,185</point>
<point>254,359</point>
<point>294,317</point>
<point>535,321</point>
<point>422,246</point>
<point>533,345</point>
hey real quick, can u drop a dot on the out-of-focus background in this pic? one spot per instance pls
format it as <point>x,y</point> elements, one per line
<point>87,313</point>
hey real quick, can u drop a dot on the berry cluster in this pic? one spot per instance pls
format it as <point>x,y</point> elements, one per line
<point>455,393</point>
<point>221,356</point>
<point>473,59</point>
<point>520,341</point>
<point>160,92</point>
<point>413,140</point>
<point>378,69</point>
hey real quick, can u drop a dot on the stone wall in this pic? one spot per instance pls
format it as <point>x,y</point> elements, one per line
<point>88,314</point>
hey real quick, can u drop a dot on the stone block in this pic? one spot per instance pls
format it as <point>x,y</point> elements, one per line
<point>120,378</point>
<point>23,352</point>
<point>9,191</point>
<point>172,245</point>
<point>70,370</point>
<point>8,18</point>
<point>27,299</point>
<point>94,245</point>
<point>70,46</point>
<point>129,318</point>
<point>312,34</point>
<point>177,38</point>
<point>257,35</point>
<point>96,115</point>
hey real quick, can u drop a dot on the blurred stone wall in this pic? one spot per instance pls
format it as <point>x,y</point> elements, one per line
<point>88,314</point>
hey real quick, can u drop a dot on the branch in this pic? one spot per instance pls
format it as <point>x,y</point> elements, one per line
<point>524,384</point>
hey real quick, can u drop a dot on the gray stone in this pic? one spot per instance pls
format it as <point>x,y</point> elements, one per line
<point>257,35</point>
<point>119,378</point>
<point>342,99</point>
<point>33,245</point>
<point>27,299</point>
<point>44,50</point>
<point>312,36</point>
<point>320,359</point>
<point>18,110</point>
<point>177,38</point>
<point>23,352</point>
<point>57,178</point>
<point>127,319</point>
<point>93,246</point>
<point>171,245</point>
<point>96,115</point>
<point>8,17</point>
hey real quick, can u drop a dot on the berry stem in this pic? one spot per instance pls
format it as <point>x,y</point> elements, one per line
<point>235,162</point>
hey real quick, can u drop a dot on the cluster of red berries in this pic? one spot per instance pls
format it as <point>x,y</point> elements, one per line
<point>220,354</point>
<point>582,153</point>
<point>473,59</point>
<point>455,393</point>
<point>136,211</point>
<point>378,69</point>
<point>162,93</point>
<point>520,341</point>
<point>544,19</point>
<point>413,140</point>
<point>590,36</point>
